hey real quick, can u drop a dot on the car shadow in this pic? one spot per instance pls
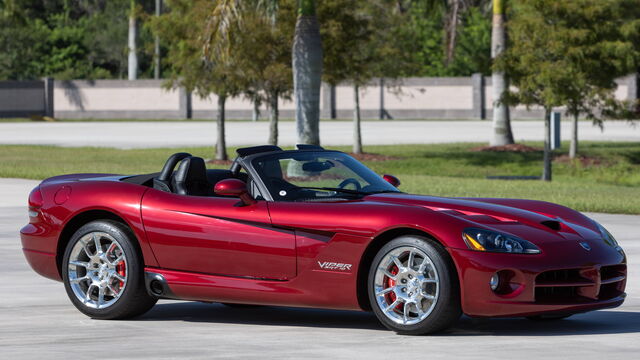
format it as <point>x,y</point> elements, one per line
<point>592,323</point>
<point>262,315</point>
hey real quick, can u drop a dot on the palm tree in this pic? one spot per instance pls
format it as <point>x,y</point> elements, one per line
<point>307,73</point>
<point>133,34</point>
<point>306,57</point>
<point>357,130</point>
<point>502,134</point>
<point>156,45</point>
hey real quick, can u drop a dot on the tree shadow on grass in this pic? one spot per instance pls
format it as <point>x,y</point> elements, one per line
<point>633,157</point>
<point>597,322</point>
<point>485,158</point>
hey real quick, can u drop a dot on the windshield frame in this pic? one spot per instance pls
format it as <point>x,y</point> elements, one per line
<point>360,169</point>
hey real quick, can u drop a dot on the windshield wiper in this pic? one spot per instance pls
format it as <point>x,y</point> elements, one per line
<point>346,191</point>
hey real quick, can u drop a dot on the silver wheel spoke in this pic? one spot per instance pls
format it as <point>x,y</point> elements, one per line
<point>80,279</point>
<point>389,275</point>
<point>96,240</point>
<point>85,265</point>
<point>416,292</point>
<point>115,293</point>
<point>88,294</point>
<point>392,306</point>
<point>85,248</point>
<point>100,296</point>
<point>384,291</point>
<point>118,260</point>
<point>92,275</point>
<point>405,312</point>
<point>411,259</point>
<point>112,247</point>
<point>397,262</point>
<point>423,265</point>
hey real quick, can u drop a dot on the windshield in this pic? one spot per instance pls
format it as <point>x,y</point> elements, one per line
<point>317,176</point>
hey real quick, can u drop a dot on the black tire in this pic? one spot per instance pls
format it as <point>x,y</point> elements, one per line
<point>447,310</point>
<point>134,300</point>
<point>548,317</point>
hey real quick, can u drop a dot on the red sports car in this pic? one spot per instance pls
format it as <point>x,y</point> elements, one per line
<point>314,228</point>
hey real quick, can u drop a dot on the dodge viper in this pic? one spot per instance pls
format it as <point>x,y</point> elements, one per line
<point>314,228</point>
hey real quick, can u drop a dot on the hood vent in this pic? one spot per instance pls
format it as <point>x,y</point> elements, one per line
<point>552,224</point>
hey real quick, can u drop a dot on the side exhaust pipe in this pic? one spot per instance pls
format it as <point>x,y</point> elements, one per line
<point>157,286</point>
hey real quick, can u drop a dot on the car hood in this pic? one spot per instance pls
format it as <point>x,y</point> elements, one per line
<point>535,221</point>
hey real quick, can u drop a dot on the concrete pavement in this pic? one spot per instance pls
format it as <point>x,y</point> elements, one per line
<point>183,134</point>
<point>38,321</point>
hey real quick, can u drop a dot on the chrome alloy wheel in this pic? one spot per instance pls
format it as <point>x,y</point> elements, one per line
<point>406,285</point>
<point>97,270</point>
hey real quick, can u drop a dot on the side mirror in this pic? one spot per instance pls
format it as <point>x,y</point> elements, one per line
<point>391,180</point>
<point>234,187</point>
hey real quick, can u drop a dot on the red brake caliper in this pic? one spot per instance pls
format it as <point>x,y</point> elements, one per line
<point>122,271</point>
<point>391,283</point>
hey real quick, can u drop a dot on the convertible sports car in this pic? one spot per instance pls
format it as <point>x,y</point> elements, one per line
<point>314,228</point>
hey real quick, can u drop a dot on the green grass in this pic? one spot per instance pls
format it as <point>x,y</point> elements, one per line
<point>613,186</point>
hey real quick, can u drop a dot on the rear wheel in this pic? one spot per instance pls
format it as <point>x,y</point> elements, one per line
<point>103,272</point>
<point>413,288</point>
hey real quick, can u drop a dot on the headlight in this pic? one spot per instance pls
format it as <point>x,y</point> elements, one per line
<point>493,241</point>
<point>606,235</point>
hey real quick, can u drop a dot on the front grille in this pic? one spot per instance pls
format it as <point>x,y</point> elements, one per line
<point>580,285</point>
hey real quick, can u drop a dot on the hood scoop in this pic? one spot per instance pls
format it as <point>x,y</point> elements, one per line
<point>552,224</point>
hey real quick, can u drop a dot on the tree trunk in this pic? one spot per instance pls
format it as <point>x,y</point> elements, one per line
<point>273,119</point>
<point>156,46</point>
<point>357,135</point>
<point>573,149</point>
<point>546,171</point>
<point>452,31</point>
<point>502,134</point>
<point>255,116</point>
<point>133,34</point>
<point>307,72</point>
<point>221,145</point>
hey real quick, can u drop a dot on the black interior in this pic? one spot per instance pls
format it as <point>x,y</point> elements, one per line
<point>191,177</point>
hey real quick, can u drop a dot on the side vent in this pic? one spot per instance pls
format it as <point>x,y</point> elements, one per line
<point>552,224</point>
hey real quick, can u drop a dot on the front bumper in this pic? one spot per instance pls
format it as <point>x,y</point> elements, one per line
<point>563,279</point>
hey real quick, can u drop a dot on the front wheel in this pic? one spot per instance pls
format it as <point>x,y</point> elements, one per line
<point>413,287</point>
<point>103,272</point>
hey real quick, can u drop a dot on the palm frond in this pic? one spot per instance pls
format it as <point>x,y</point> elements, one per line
<point>226,21</point>
<point>219,29</point>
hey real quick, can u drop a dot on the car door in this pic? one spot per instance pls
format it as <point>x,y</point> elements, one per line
<point>214,235</point>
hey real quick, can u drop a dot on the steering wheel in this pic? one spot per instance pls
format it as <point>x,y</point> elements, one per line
<point>348,181</point>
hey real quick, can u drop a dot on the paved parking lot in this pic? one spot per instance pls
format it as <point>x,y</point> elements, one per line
<point>181,134</point>
<point>38,321</point>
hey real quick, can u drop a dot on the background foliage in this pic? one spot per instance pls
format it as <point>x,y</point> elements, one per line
<point>87,39</point>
